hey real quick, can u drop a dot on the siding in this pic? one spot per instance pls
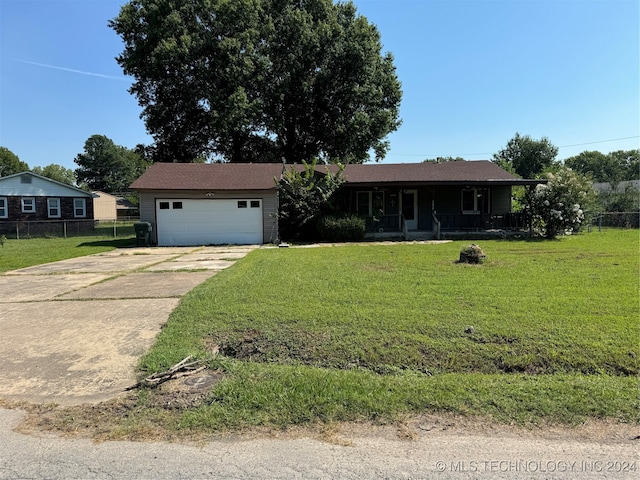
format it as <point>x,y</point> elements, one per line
<point>12,186</point>
<point>14,205</point>
<point>500,200</point>
<point>104,207</point>
<point>269,207</point>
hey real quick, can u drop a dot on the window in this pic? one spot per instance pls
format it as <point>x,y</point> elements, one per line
<point>79,207</point>
<point>164,205</point>
<point>28,205</point>
<point>4,209</point>
<point>177,205</point>
<point>475,201</point>
<point>53,207</point>
<point>255,203</point>
<point>370,203</point>
<point>242,204</point>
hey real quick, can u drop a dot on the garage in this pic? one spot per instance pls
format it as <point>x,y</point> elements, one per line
<point>185,222</point>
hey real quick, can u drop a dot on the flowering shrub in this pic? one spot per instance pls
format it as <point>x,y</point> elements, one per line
<point>557,207</point>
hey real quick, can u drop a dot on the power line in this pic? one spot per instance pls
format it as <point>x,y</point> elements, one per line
<point>491,153</point>
<point>599,141</point>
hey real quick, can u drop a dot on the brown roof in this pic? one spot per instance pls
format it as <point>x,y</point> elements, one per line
<point>260,176</point>
<point>429,173</point>
<point>209,176</point>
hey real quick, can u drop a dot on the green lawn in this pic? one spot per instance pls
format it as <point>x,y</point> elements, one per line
<point>376,332</point>
<point>36,251</point>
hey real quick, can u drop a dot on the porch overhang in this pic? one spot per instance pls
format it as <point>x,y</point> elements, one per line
<point>414,184</point>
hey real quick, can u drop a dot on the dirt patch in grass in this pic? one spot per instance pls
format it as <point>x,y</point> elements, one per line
<point>290,346</point>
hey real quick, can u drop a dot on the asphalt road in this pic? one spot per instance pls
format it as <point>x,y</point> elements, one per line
<point>438,451</point>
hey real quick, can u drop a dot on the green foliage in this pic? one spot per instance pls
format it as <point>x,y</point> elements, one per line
<point>57,173</point>
<point>525,156</point>
<point>10,163</point>
<point>304,195</point>
<point>625,199</point>
<point>259,80</point>
<point>106,166</point>
<point>342,228</point>
<point>612,167</point>
<point>558,206</point>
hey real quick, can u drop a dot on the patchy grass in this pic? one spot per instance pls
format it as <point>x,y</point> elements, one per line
<point>369,332</point>
<point>36,251</point>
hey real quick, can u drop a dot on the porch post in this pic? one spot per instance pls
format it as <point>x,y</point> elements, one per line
<point>529,214</point>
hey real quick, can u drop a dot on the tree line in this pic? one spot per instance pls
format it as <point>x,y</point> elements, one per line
<point>102,165</point>
<point>111,168</point>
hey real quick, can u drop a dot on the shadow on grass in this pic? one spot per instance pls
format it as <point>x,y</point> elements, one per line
<point>116,243</point>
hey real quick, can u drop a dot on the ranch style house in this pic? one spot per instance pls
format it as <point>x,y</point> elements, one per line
<point>236,203</point>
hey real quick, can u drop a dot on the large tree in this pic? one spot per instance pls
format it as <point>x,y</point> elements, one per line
<point>10,163</point>
<point>259,80</point>
<point>57,173</point>
<point>612,167</point>
<point>525,156</point>
<point>106,166</point>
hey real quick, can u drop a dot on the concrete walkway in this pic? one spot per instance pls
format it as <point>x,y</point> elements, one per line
<point>72,331</point>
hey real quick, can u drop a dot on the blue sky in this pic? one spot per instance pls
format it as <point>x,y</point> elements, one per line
<point>473,74</point>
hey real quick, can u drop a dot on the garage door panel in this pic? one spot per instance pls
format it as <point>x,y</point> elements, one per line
<point>209,222</point>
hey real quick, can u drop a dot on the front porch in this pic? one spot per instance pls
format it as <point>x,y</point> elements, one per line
<point>470,210</point>
<point>449,226</point>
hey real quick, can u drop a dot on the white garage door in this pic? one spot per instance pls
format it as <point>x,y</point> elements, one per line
<point>208,222</point>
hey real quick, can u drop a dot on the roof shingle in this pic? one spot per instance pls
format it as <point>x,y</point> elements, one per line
<point>260,176</point>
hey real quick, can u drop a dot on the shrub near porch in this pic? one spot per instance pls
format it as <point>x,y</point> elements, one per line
<point>552,318</point>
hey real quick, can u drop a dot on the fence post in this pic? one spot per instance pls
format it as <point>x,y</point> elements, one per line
<point>17,231</point>
<point>115,234</point>
<point>64,229</point>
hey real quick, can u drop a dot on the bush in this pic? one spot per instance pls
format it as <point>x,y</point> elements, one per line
<point>558,207</point>
<point>304,195</point>
<point>345,228</point>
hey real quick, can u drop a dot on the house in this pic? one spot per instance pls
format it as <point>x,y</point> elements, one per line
<point>28,198</point>
<point>104,206</point>
<point>110,207</point>
<point>432,198</point>
<point>617,187</point>
<point>200,204</point>
<point>217,203</point>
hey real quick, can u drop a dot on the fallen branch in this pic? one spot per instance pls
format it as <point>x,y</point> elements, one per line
<point>180,369</point>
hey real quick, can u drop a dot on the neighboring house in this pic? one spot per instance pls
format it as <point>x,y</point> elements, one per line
<point>616,187</point>
<point>104,206</point>
<point>28,197</point>
<point>110,207</point>
<point>200,204</point>
<point>126,210</point>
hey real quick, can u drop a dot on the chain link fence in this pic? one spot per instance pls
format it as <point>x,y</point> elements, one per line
<point>617,220</point>
<point>66,228</point>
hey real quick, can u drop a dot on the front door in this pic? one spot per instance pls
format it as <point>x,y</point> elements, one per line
<point>410,208</point>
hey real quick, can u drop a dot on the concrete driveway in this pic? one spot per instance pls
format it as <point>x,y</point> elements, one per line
<point>72,331</point>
